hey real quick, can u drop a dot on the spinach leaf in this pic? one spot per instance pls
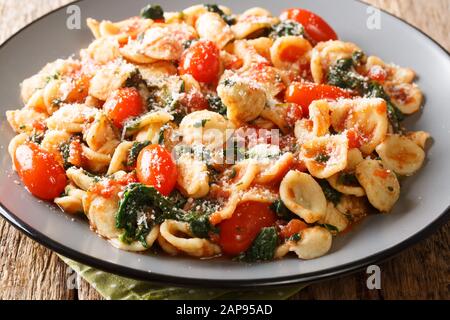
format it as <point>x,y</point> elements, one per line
<point>263,247</point>
<point>64,148</point>
<point>140,208</point>
<point>134,152</point>
<point>281,210</point>
<point>216,104</point>
<point>287,28</point>
<point>330,227</point>
<point>343,75</point>
<point>348,179</point>
<point>330,193</point>
<point>152,11</point>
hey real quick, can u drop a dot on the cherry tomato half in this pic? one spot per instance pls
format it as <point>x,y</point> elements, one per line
<point>40,172</point>
<point>155,167</point>
<point>202,61</point>
<point>305,93</point>
<point>123,104</point>
<point>316,27</point>
<point>238,232</point>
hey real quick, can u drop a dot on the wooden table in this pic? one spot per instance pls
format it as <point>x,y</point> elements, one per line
<point>30,271</point>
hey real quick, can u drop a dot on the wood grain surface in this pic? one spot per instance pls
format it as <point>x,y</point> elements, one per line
<point>30,271</point>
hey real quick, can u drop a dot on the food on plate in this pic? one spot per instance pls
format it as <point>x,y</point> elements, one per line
<point>206,132</point>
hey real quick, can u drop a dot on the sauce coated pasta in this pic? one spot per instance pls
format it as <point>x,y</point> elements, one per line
<point>207,133</point>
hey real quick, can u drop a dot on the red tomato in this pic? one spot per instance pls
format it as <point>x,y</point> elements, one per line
<point>41,173</point>
<point>294,112</point>
<point>195,101</point>
<point>238,232</point>
<point>305,93</point>
<point>316,27</point>
<point>79,90</point>
<point>156,168</point>
<point>202,61</point>
<point>294,226</point>
<point>122,104</point>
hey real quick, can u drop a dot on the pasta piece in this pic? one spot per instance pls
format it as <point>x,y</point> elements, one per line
<point>252,21</point>
<point>22,120</point>
<point>211,26</point>
<point>110,77</point>
<point>246,172</point>
<point>325,156</point>
<point>276,113</point>
<point>290,53</point>
<point>170,230</point>
<point>164,42</point>
<point>154,117</point>
<point>354,190</point>
<point>18,140</point>
<point>381,185</point>
<point>400,154</point>
<point>132,52</point>
<point>121,30</point>
<point>354,208</point>
<point>367,118</point>
<point>80,178</point>
<point>119,157</point>
<point>101,51</point>
<point>51,71</point>
<point>52,141</point>
<point>192,13</point>
<point>244,100</point>
<point>314,242</point>
<point>303,131</point>
<point>262,45</point>
<point>72,202</point>
<point>95,161</point>
<point>136,246</point>
<point>376,67</point>
<point>101,136</point>
<point>166,246</point>
<point>101,213</point>
<point>326,54</point>
<point>204,127</point>
<point>71,118</point>
<point>406,97</point>
<point>151,73</point>
<point>335,218</point>
<point>354,157</point>
<point>192,176</point>
<point>275,170</point>
<point>36,101</point>
<point>419,137</point>
<point>319,113</point>
<point>303,196</point>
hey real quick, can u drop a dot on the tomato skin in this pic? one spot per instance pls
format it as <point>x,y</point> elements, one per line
<point>195,101</point>
<point>155,167</point>
<point>315,26</point>
<point>294,226</point>
<point>202,61</point>
<point>238,232</point>
<point>294,112</point>
<point>305,93</point>
<point>122,104</point>
<point>80,89</point>
<point>40,172</point>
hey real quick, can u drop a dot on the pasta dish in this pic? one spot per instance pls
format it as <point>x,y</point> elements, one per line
<point>208,133</point>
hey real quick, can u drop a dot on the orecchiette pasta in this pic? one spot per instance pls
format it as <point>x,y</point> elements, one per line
<point>400,154</point>
<point>206,133</point>
<point>303,196</point>
<point>380,184</point>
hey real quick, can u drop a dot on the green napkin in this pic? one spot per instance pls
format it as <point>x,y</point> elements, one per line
<point>115,287</point>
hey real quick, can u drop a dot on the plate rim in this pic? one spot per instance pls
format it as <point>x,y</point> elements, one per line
<point>218,283</point>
